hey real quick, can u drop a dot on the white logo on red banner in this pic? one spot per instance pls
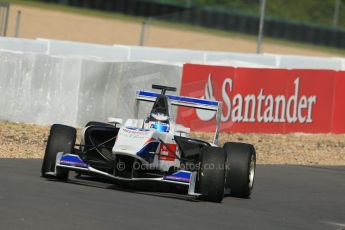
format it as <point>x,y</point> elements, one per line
<point>206,115</point>
<point>260,107</point>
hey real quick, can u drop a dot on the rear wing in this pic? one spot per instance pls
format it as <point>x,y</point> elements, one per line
<point>185,102</point>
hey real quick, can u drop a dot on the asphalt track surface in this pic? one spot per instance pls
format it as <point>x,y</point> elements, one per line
<point>285,197</point>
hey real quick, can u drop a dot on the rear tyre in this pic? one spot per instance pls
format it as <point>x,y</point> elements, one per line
<point>240,168</point>
<point>211,174</point>
<point>61,139</point>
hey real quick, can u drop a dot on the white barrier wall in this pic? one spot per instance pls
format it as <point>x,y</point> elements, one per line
<point>23,45</point>
<point>47,81</point>
<point>164,55</point>
<point>92,51</point>
<point>108,89</point>
<point>299,62</point>
<point>257,59</point>
<point>38,88</point>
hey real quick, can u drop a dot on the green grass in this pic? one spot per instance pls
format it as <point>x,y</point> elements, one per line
<point>317,12</point>
<point>123,17</point>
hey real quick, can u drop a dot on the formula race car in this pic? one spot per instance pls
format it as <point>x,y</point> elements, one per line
<point>154,152</point>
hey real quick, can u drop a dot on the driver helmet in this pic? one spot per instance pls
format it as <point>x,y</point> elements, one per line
<point>159,121</point>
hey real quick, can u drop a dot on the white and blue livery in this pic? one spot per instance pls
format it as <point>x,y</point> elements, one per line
<point>154,152</point>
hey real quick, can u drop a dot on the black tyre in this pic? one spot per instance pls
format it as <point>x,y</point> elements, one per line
<point>211,176</point>
<point>240,168</point>
<point>61,139</point>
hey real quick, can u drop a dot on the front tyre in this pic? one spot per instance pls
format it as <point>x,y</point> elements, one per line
<point>61,139</point>
<point>240,168</point>
<point>211,174</point>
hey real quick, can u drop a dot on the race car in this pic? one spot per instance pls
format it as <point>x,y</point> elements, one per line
<point>154,152</point>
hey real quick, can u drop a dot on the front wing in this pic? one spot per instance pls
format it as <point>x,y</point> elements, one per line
<point>75,163</point>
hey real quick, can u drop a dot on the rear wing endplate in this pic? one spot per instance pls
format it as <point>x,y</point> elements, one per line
<point>185,102</point>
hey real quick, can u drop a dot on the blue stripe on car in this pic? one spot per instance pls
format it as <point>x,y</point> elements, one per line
<point>181,176</point>
<point>73,160</point>
<point>180,99</point>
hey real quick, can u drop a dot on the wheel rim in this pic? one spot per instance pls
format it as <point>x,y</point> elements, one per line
<point>251,171</point>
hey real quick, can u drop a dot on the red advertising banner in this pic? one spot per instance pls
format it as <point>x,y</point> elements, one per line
<point>265,100</point>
